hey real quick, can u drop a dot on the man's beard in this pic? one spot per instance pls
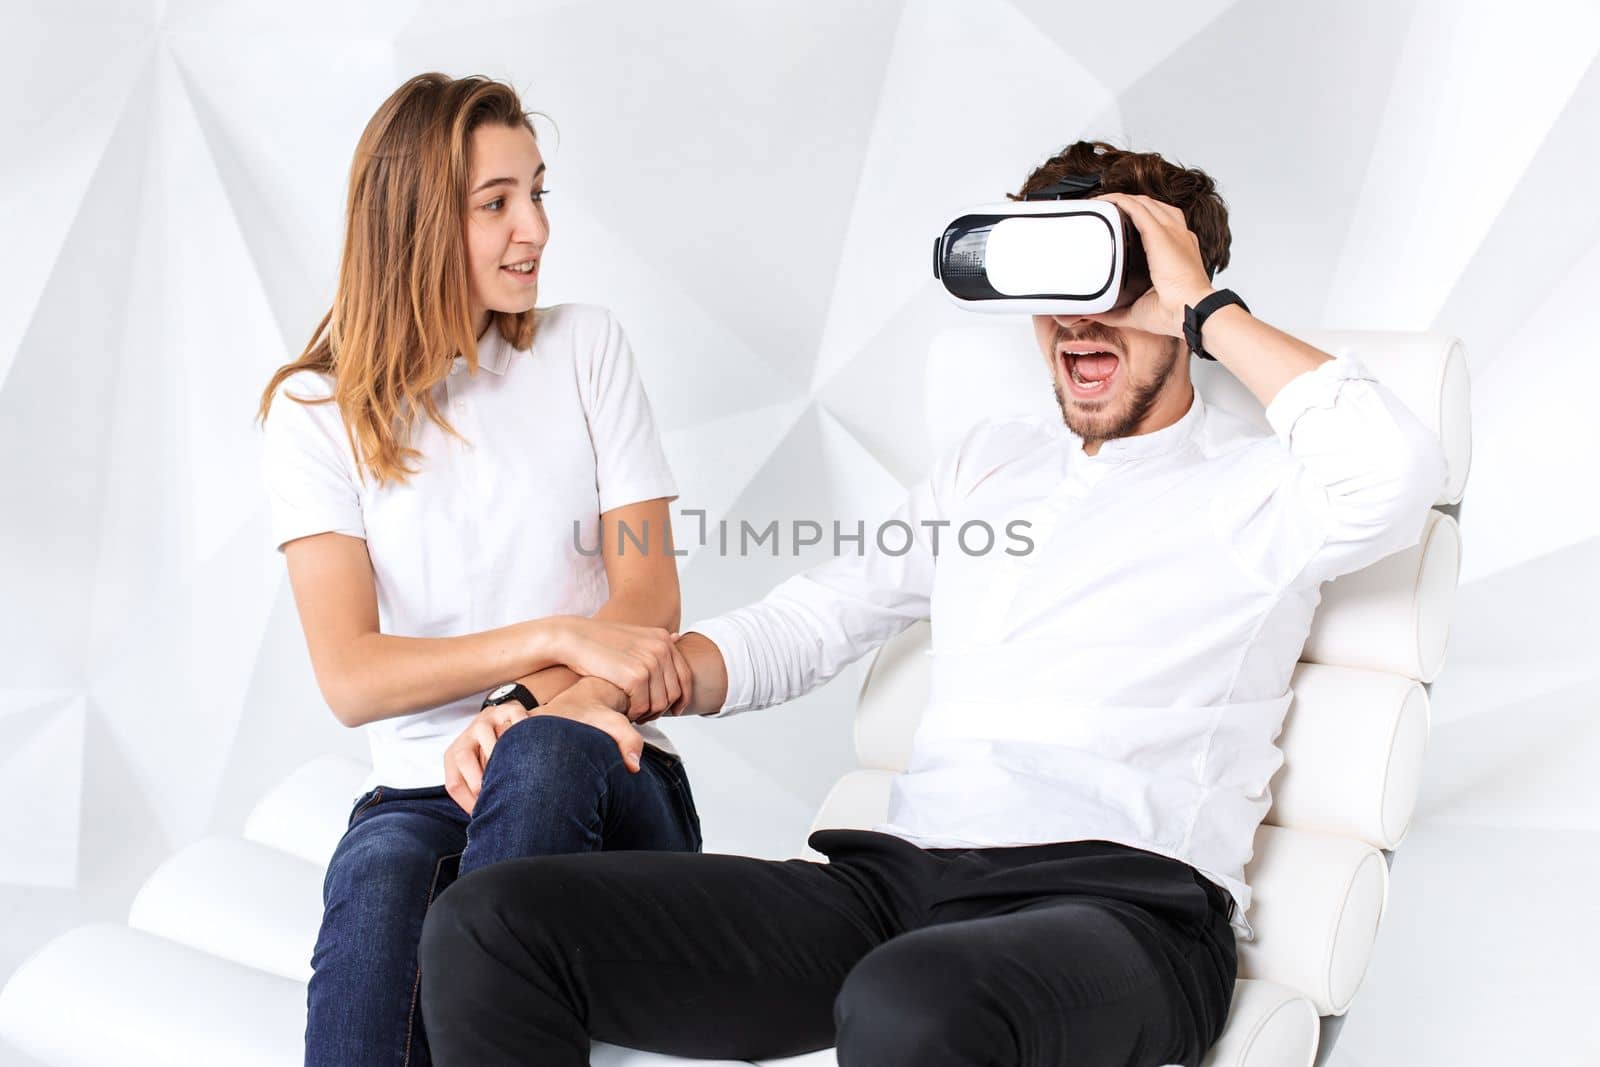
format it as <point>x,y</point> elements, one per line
<point>1138,399</point>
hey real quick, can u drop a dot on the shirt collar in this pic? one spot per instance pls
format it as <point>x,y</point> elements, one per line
<point>1144,445</point>
<point>494,352</point>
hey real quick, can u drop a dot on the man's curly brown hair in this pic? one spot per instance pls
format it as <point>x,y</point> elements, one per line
<point>1147,174</point>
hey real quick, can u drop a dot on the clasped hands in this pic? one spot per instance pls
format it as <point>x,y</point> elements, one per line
<point>630,674</point>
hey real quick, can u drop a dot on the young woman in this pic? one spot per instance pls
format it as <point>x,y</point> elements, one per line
<point>442,460</point>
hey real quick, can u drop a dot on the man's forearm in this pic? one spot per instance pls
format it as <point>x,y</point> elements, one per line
<point>1263,357</point>
<point>600,690</point>
<point>550,683</point>
<point>710,674</point>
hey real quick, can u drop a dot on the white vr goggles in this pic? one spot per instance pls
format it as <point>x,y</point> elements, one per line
<point>1048,254</point>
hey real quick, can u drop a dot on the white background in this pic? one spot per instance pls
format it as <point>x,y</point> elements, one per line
<point>753,187</point>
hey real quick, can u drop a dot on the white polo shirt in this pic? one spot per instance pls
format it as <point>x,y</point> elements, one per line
<point>482,535</point>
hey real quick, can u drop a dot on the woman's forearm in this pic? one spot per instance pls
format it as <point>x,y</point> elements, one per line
<point>382,676</point>
<point>641,608</point>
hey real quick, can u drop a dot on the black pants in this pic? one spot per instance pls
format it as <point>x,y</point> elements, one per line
<point>1081,953</point>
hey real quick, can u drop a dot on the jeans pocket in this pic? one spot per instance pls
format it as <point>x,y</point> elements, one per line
<point>668,760</point>
<point>363,802</point>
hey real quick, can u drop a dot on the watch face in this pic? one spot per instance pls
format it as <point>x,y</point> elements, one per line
<point>503,692</point>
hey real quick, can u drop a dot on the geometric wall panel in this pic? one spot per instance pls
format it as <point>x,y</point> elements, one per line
<point>56,125</point>
<point>974,96</point>
<point>60,393</point>
<point>1305,119</point>
<point>680,143</point>
<point>1451,148</point>
<point>1540,233</point>
<point>41,784</point>
<point>1526,473</point>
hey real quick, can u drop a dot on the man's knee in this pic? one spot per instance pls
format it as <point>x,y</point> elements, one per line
<point>458,927</point>
<point>479,911</point>
<point>908,1002</point>
<point>550,748</point>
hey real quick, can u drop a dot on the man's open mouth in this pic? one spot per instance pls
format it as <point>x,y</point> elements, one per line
<point>1090,369</point>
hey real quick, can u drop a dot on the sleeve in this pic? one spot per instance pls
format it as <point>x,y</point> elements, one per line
<point>630,464</point>
<point>307,467</point>
<point>1356,485</point>
<point>818,622</point>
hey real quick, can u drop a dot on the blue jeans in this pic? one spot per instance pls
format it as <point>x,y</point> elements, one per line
<point>552,786</point>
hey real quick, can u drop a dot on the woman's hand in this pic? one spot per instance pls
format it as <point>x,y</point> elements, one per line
<point>468,754</point>
<point>1177,271</point>
<point>642,661</point>
<point>594,703</point>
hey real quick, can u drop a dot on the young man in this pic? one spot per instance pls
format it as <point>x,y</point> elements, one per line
<point>1062,874</point>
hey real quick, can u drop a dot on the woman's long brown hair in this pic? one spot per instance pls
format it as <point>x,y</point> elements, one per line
<point>402,311</point>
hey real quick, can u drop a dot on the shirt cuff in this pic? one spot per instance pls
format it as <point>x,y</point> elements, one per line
<point>292,528</point>
<point>724,633</point>
<point>621,496</point>
<point>1316,388</point>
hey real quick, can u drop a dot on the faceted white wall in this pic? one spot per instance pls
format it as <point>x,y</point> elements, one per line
<point>753,187</point>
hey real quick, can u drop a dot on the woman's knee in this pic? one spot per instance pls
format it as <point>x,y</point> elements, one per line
<point>375,894</point>
<point>379,858</point>
<point>550,748</point>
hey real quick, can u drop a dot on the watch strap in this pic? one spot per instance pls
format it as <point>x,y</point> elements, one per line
<point>1194,318</point>
<point>511,692</point>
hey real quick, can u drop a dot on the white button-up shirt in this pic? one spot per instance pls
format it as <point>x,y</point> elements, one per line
<point>1126,679</point>
<point>482,536</point>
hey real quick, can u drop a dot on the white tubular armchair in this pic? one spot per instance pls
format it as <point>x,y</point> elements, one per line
<point>212,965</point>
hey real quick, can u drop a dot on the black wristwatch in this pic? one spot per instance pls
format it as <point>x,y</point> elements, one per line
<point>1194,318</point>
<point>511,691</point>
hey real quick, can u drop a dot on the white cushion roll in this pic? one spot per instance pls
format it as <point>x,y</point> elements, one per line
<point>1269,1025</point>
<point>1353,746</point>
<point>106,994</point>
<point>1394,615</point>
<point>604,1055</point>
<point>238,900</point>
<point>858,801</point>
<point>306,813</point>
<point>1315,906</point>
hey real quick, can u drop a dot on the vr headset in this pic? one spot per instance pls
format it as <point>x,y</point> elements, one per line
<point>1051,253</point>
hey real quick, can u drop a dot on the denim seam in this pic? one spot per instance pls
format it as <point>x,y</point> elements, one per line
<point>377,795</point>
<point>416,986</point>
<point>688,814</point>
